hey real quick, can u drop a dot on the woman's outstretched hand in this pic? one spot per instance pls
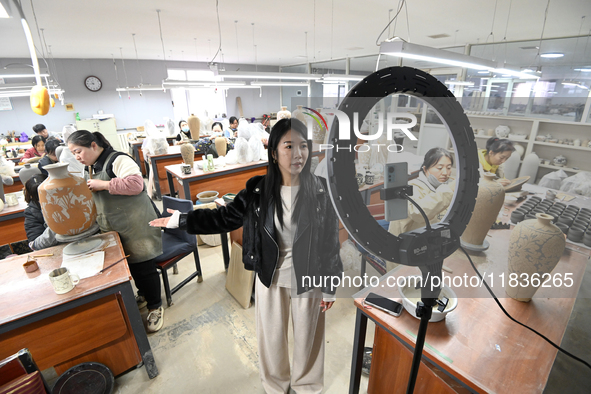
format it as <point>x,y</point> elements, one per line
<point>162,222</point>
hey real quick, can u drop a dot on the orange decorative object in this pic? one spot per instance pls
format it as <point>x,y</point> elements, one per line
<point>66,201</point>
<point>52,102</point>
<point>40,100</point>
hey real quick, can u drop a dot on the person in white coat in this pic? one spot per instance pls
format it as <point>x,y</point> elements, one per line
<point>433,190</point>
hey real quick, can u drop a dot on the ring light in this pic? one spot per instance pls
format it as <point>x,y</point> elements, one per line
<point>350,207</point>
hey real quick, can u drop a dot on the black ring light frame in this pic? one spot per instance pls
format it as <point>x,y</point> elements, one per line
<point>344,193</point>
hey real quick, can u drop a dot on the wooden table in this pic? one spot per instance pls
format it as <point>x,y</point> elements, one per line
<point>17,186</point>
<point>97,321</point>
<point>12,223</point>
<point>229,179</point>
<point>476,348</point>
<point>158,164</point>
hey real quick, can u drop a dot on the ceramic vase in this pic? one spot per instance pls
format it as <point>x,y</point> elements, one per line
<point>284,113</point>
<point>221,146</point>
<point>27,172</point>
<point>318,130</point>
<point>489,202</point>
<point>188,154</point>
<point>529,167</point>
<point>66,201</point>
<point>511,166</point>
<point>535,247</point>
<point>195,126</point>
<point>299,114</point>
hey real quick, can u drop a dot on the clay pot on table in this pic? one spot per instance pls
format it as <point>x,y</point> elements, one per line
<point>195,126</point>
<point>66,201</point>
<point>563,227</point>
<point>587,238</point>
<point>517,216</point>
<point>566,219</point>
<point>575,233</point>
<point>535,247</point>
<point>490,199</point>
<point>188,154</point>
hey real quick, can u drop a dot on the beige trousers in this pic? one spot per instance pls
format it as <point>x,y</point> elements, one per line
<point>272,317</point>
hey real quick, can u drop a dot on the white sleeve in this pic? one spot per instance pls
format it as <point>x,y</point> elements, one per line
<point>124,166</point>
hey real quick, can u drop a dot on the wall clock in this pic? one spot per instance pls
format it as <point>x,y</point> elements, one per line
<point>93,84</point>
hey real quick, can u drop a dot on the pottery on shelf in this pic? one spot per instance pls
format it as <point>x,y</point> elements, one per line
<point>559,161</point>
<point>283,114</point>
<point>66,201</point>
<point>195,126</point>
<point>188,154</point>
<point>490,199</point>
<point>502,131</point>
<point>319,131</point>
<point>299,114</point>
<point>535,247</point>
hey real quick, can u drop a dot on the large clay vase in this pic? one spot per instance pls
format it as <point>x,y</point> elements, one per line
<point>318,130</point>
<point>195,126</point>
<point>66,201</point>
<point>221,146</point>
<point>299,114</point>
<point>511,166</point>
<point>530,166</point>
<point>284,113</point>
<point>489,202</point>
<point>535,247</point>
<point>188,154</point>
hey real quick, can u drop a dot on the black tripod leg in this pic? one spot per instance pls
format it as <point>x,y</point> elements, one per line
<point>416,359</point>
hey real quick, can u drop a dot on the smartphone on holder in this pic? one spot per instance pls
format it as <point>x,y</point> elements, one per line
<point>385,304</point>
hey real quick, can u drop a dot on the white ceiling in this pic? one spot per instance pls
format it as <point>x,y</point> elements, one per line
<point>97,29</point>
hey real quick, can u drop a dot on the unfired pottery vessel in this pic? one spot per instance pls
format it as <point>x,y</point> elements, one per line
<point>221,146</point>
<point>535,247</point>
<point>489,202</point>
<point>319,131</point>
<point>284,113</point>
<point>299,114</point>
<point>195,126</point>
<point>188,154</point>
<point>66,201</point>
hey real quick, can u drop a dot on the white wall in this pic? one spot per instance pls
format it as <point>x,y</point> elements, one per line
<point>129,112</point>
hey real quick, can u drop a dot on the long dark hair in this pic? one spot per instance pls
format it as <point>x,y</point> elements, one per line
<point>31,192</point>
<point>498,145</point>
<point>85,139</point>
<point>433,156</point>
<point>272,190</point>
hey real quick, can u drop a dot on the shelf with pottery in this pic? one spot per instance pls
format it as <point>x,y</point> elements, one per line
<point>586,149</point>
<point>556,168</point>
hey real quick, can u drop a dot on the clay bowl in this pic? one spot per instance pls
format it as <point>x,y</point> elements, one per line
<point>586,211</point>
<point>555,212</point>
<point>517,216</point>
<point>581,223</point>
<point>566,220</point>
<point>575,234</point>
<point>554,218</point>
<point>584,217</point>
<point>587,238</point>
<point>563,227</point>
<point>530,216</point>
<point>547,203</point>
<point>528,205</point>
<point>572,209</point>
<point>560,204</point>
<point>538,210</point>
<point>535,198</point>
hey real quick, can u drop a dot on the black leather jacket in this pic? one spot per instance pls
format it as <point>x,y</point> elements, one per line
<point>316,244</point>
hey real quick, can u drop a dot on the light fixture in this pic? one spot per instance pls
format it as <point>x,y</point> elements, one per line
<point>576,84</point>
<point>3,12</point>
<point>342,77</point>
<point>400,48</point>
<point>141,88</point>
<point>483,72</point>
<point>513,73</point>
<point>23,75</point>
<point>304,84</point>
<point>459,83</point>
<point>552,55</point>
<point>214,84</point>
<point>267,75</point>
<point>583,70</point>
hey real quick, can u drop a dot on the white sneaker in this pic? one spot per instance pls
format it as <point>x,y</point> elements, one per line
<point>155,319</point>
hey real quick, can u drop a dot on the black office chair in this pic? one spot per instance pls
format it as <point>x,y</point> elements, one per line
<point>176,244</point>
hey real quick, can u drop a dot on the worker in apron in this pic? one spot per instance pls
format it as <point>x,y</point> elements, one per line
<point>124,206</point>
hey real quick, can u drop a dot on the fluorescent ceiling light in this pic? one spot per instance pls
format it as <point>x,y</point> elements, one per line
<point>342,77</point>
<point>22,75</point>
<point>552,55</point>
<point>201,83</point>
<point>584,70</point>
<point>575,84</point>
<point>459,83</point>
<point>3,12</point>
<point>26,93</point>
<point>279,84</point>
<point>512,73</point>
<point>139,89</point>
<point>483,72</point>
<point>400,48</point>
<point>267,75</point>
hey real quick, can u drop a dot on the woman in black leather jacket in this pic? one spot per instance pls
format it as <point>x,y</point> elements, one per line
<point>291,241</point>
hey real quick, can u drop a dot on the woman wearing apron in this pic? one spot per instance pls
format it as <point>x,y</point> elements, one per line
<point>124,206</point>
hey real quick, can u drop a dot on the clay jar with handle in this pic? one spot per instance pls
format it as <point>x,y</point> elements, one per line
<point>489,202</point>
<point>195,126</point>
<point>535,247</point>
<point>188,154</point>
<point>66,201</point>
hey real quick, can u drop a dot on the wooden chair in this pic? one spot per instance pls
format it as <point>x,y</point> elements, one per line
<point>177,244</point>
<point>19,375</point>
